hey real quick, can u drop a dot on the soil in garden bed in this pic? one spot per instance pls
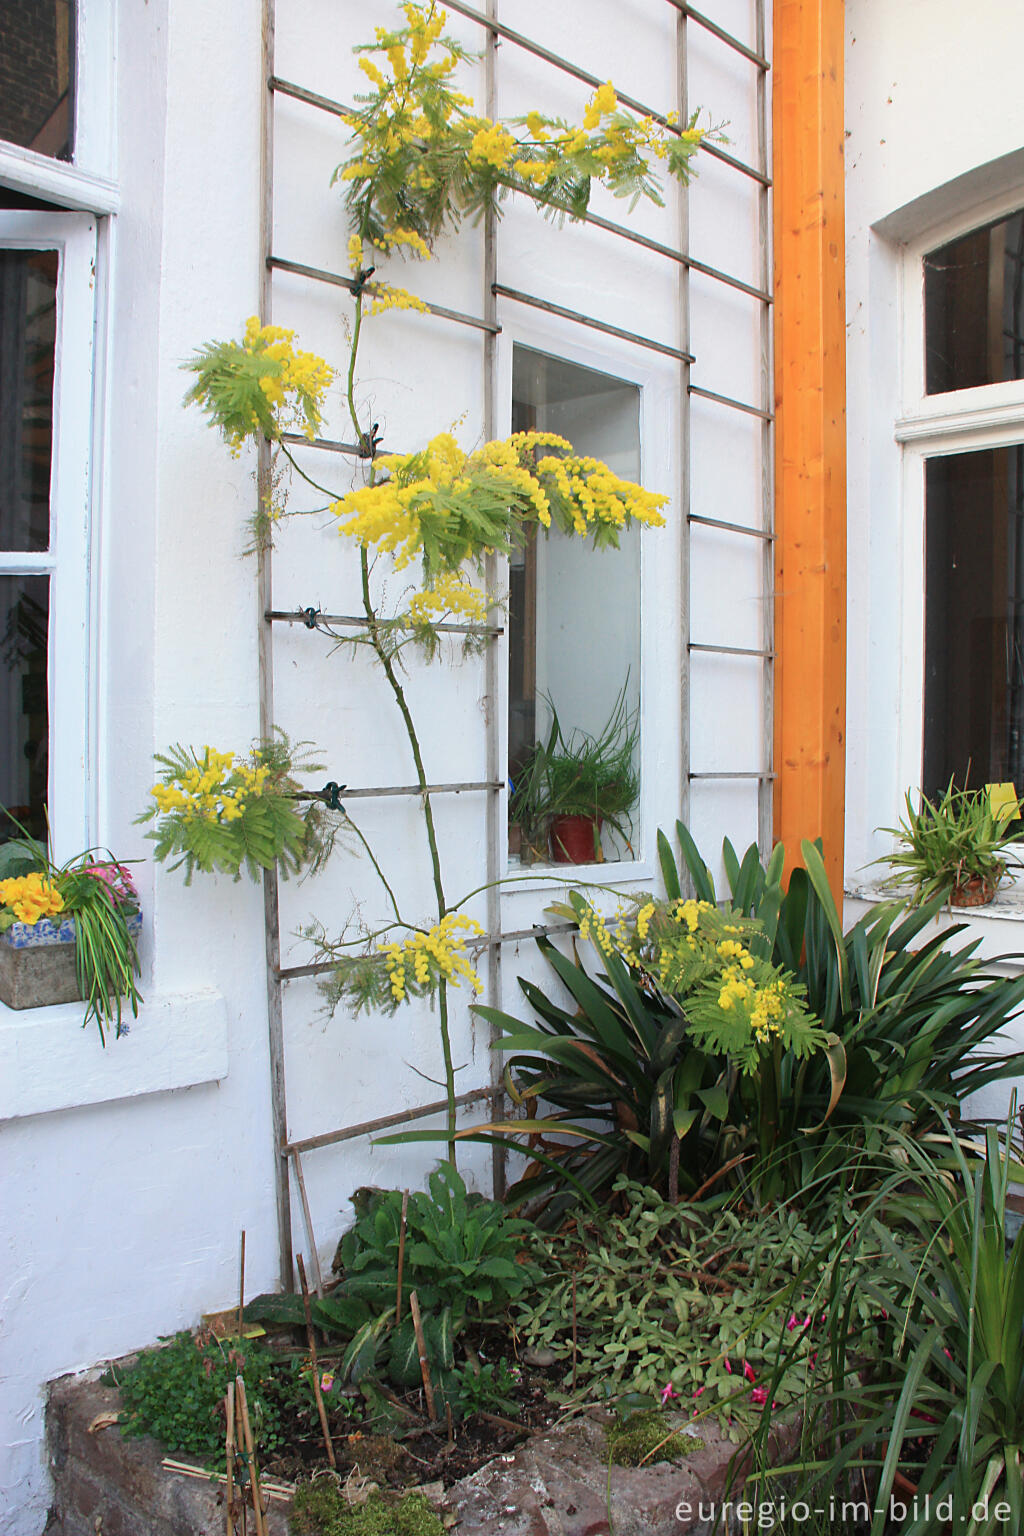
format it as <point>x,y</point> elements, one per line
<point>386,1434</point>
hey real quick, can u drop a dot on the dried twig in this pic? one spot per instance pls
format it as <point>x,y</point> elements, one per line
<point>574,1331</point>
<point>321,1410</point>
<point>259,1507</point>
<point>241,1284</point>
<point>421,1345</point>
<point>401,1258</point>
<point>229,1457</point>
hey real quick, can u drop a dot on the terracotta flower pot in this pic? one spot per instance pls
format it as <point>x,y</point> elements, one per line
<point>973,892</point>
<point>575,839</point>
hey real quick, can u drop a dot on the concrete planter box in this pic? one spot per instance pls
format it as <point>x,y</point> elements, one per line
<point>37,962</point>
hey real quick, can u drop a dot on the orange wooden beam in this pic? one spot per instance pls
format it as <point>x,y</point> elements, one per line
<point>810,400</point>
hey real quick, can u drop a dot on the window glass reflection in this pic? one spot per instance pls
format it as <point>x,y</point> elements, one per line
<point>37,75</point>
<point>974,308</point>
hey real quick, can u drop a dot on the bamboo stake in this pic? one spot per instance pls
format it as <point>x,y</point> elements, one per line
<point>421,1344</point>
<point>401,1257</point>
<point>229,1455</point>
<point>241,1285</point>
<point>258,1507</point>
<point>321,1410</point>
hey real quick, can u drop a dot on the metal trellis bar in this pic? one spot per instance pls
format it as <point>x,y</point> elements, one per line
<point>731,650</point>
<point>717,522</point>
<point>758,774</point>
<point>385,1122</point>
<point>336,280</point>
<point>596,325</point>
<point>723,36</point>
<point>311,618</point>
<point>734,405</point>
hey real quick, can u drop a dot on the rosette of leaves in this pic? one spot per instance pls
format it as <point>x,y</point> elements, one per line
<point>461,1256</point>
<point>217,813</point>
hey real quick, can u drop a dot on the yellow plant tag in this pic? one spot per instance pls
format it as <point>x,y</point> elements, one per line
<point>1002,799</point>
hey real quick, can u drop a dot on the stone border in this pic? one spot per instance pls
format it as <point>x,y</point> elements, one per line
<point>555,1484</point>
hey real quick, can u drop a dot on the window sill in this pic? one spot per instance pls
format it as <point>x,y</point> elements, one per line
<point>1007,904</point>
<point>520,878</point>
<point>48,1062</point>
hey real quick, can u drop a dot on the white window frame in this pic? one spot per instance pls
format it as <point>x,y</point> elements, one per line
<point>67,562</point>
<point>660,595</point>
<point>930,426</point>
<point>89,182</point>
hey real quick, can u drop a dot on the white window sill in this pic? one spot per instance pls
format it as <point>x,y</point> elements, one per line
<point>1007,904</point>
<point>48,1062</point>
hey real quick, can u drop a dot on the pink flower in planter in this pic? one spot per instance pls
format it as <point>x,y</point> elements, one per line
<point>748,1371</point>
<point>794,1322</point>
<point>759,1395</point>
<point>728,1365</point>
<point>667,1392</point>
<point>327,1381</point>
<point>697,1391</point>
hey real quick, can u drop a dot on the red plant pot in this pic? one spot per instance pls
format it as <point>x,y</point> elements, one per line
<point>974,892</point>
<point>575,839</point>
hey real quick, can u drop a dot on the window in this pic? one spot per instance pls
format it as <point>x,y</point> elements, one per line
<point>46,348</point>
<point>963,437</point>
<point>37,56</point>
<point>574,613</point>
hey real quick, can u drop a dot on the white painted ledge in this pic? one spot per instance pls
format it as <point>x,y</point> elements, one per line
<point>49,1062</point>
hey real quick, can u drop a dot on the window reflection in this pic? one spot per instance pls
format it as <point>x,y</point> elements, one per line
<point>28,328</point>
<point>37,75</point>
<point>574,612</point>
<point>974,619</point>
<point>974,308</point>
<point>24,622</point>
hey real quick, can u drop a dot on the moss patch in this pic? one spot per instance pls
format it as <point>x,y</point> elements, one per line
<point>631,1441</point>
<point>321,1509</point>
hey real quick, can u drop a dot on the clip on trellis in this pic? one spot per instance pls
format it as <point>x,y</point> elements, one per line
<point>330,795</point>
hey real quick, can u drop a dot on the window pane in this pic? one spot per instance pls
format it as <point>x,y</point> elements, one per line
<point>974,619</point>
<point>974,308</point>
<point>574,613</point>
<point>28,325</point>
<point>24,623</point>
<point>37,75</point>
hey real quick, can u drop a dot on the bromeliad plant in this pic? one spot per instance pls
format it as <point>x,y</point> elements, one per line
<point>423,159</point>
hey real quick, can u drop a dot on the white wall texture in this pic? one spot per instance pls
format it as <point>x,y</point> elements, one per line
<point>934,129</point>
<point>128,1175</point>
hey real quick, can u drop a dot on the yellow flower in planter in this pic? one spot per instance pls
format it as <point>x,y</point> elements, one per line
<point>30,897</point>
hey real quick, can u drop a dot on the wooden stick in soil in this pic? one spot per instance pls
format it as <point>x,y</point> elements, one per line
<point>241,1285</point>
<point>258,1506</point>
<point>574,1333</point>
<point>421,1345</point>
<point>401,1258</point>
<point>321,1410</point>
<point>229,1456</point>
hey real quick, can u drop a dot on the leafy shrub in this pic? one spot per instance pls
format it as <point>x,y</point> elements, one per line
<point>177,1393</point>
<point>694,1303</point>
<point>461,1257</point>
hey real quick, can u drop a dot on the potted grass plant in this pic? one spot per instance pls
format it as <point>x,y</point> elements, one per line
<point>957,845</point>
<point>572,785</point>
<point>68,932</point>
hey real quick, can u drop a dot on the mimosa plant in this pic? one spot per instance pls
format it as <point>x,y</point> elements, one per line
<point>423,159</point>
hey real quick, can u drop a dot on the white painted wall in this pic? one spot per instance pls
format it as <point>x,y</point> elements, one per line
<point>934,128</point>
<point>128,1175</point>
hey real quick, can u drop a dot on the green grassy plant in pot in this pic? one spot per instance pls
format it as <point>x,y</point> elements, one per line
<point>573,785</point>
<point>957,846</point>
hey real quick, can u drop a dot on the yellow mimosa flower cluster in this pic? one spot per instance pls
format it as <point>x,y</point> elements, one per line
<point>451,507</point>
<point>386,297</point>
<point>302,374</point>
<point>451,593</point>
<point>31,897</point>
<point>439,954</point>
<point>215,788</point>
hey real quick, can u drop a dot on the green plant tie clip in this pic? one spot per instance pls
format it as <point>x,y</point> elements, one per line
<point>331,796</point>
<point>310,617</point>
